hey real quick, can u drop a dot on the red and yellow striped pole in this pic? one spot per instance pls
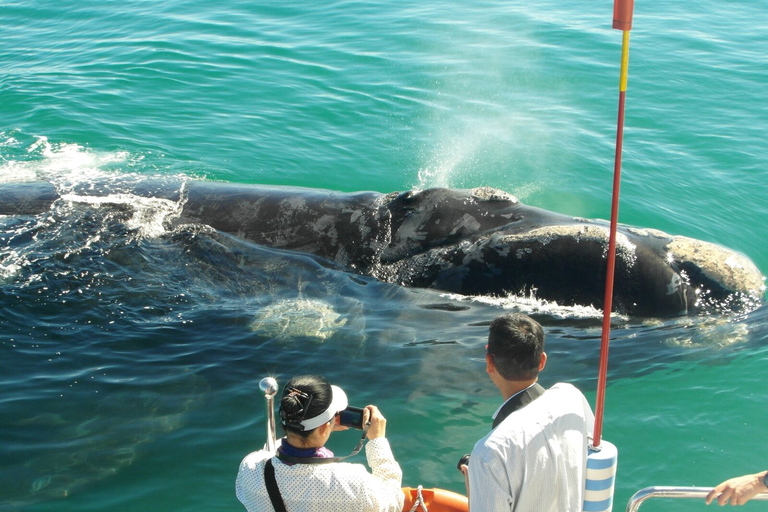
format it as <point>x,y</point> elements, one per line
<point>622,20</point>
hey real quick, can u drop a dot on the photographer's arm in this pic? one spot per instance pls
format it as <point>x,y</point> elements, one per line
<point>739,490</point>
<point>386,471</point>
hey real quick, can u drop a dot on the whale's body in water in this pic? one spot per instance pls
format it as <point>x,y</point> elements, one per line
<point>474,242</point>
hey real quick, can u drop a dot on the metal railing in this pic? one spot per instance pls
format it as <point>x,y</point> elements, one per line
<point>674,492</point>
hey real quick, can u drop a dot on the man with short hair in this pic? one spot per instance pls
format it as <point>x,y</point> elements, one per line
<point>535,457</point>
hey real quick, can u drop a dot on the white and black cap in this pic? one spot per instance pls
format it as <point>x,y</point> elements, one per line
<point>338,403</point>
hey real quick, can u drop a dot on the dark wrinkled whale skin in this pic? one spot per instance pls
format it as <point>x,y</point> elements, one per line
<point>26,198</point>
<point>472,242</point>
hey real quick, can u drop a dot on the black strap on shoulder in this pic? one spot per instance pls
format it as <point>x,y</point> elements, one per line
<point>518,402</point>
<point>272,489</point>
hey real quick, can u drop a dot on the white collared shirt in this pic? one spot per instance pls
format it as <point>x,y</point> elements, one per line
<point>338,486</point>
<point>535,460</point>
<point>510,398</point>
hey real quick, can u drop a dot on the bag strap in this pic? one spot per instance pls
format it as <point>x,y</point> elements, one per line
<point>272,488</point>
<point>518,402</point>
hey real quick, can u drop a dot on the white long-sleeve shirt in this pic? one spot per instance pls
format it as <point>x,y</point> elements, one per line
<point>535,460</point>
<point>338,486</point>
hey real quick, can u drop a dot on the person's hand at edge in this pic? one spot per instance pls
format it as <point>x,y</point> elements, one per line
<point>738,490</point>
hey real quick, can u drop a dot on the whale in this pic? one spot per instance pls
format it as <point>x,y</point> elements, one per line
<point>474,242</point>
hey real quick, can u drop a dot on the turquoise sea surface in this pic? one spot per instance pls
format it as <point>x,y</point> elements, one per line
<point>131,353</point>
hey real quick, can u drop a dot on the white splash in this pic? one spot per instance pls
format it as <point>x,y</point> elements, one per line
<point>530,304</point>
<point>150,215</point>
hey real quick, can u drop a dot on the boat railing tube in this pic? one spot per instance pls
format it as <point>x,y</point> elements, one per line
<point>269,386</point>
<point>674,492</point>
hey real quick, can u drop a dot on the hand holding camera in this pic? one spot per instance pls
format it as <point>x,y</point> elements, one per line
<point>351,417</point>
<point>357,418</point>
<point>378,423</point>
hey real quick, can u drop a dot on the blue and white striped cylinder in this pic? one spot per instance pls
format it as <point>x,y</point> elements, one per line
<point>601,478</point>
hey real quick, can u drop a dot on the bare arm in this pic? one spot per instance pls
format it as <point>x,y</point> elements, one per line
<point>738,490</point>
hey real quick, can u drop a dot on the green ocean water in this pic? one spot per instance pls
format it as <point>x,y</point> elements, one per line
<point>130,362</point>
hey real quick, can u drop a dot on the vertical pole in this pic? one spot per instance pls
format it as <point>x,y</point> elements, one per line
<point>622,20</point>
<point>269,386</point>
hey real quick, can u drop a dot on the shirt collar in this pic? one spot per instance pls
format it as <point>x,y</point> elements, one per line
<point>510,398</point>
<point>292,451</point>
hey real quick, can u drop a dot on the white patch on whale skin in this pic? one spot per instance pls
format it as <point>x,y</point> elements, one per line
<point>467,222</point>
<point>354,215</point>
<point>472,251</point>
<point>288,209</point>
<point>295,204</point>
<point>357,217</point>
<point>410,231</point>
<point>674,284</point>
<point>503,251</point>
<point>521,253</point>
<point>326,225</point>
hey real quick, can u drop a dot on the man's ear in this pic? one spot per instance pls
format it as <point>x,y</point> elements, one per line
<point>490,368</point>
<point>542,361</point>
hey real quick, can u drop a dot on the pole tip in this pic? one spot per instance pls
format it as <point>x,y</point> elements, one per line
<point>622,14</point>
<point>269,386</point>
